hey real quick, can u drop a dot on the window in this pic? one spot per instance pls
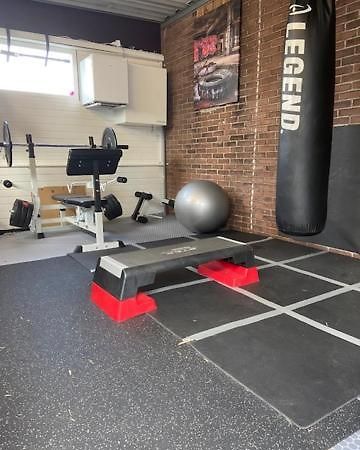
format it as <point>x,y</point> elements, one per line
<point>24,69</point>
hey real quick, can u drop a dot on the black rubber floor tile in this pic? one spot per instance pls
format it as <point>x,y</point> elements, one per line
<point>341,312</point>
<point>172,241</point>
<point>90,259</point>
<point>337,267</point>
<point>197,308</point>
<point>284,287</point>
<point>301,371</point>
<point>277,250</point>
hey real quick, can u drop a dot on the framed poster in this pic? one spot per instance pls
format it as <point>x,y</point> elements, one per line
<point>217,54</point>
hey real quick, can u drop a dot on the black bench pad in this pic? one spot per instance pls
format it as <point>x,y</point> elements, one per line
<point>84,201</point>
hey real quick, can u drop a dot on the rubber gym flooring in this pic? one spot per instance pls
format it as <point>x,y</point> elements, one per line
<point>274,365</point>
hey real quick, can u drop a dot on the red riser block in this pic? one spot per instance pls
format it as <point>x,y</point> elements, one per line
<point>229,274</point>
<point>121,310</point>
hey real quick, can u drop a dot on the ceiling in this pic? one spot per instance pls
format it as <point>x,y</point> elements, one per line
<point>154,10</point>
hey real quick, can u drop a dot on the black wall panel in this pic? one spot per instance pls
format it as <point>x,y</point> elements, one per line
<point>342,228</point>
<point>27,15</point>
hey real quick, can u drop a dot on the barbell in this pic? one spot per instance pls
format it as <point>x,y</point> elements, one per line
<point>109,142</point>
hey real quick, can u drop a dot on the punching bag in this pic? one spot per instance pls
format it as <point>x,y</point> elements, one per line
<point>307,105</point>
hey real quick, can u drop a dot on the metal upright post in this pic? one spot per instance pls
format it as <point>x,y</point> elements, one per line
<point>99,225</point>
<point>36,225</point>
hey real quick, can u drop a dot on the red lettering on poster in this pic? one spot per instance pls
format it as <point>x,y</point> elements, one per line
<point>205,47</point>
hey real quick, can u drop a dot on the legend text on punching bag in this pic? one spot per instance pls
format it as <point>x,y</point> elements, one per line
<point>292,83</point>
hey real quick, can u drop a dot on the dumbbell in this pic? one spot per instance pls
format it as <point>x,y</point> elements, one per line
<point>142,196</point>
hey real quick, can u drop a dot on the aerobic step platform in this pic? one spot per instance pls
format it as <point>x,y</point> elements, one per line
<point>118,277</point>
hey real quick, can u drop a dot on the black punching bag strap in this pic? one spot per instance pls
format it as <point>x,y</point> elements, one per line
<point>306,117</point>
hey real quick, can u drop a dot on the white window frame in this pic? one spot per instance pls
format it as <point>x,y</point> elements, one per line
<point>38,42</point>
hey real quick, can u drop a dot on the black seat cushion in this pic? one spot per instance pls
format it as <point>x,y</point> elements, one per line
<point>80,200</point>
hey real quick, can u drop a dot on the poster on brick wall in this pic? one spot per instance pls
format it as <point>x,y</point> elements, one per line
<point>216,53</point>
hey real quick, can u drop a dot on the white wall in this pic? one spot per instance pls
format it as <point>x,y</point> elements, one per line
<point>57,119</point>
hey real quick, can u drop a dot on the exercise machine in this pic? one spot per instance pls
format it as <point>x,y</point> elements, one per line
<point>89,210</point>
<point>26,214</point>
<point>118,277</point>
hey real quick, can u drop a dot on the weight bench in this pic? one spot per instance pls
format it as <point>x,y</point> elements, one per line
<point>118,277</point>
<point>89,210</point>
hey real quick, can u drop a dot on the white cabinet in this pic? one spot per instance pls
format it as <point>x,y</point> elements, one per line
<point>147,97</point>
<point>103,80</point>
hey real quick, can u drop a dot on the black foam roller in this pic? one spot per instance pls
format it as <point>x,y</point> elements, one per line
<point>306,117</point>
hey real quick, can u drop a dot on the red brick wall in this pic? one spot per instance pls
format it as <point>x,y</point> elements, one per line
<point>236,145</point>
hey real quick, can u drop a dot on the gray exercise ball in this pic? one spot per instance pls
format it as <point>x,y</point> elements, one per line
<point>202,206</point>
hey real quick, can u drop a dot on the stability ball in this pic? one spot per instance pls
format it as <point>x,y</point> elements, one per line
<point>202,206</point>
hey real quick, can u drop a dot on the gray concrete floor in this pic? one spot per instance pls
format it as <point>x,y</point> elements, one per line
<point>23,247</point>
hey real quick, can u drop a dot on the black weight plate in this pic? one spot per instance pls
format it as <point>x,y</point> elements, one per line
<point>113,207</point>
<point>7,144</point>
<point>21,214</point>
<point>109,140</point>
<point>15,213</point>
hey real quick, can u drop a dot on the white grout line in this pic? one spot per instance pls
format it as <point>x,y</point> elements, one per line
<point>304,272</point>
<point>229,326</point>
<point>314,275</point>
<point>192,269</point>
<point>300,258</point>
<point>259,241</point>
<point>356,287</point>
<point>318,298</point>
<point>321,327</point>
<point>230,240</point>
<point>278,310</point>
<point>178,286</point>
<point>140,247</point>
<point>257,298</point>
<point>236,241</point>
<point>287,261</point>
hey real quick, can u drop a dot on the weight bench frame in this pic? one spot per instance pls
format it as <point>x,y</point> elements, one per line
<point>84,217</point>
<point>93,162</point>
